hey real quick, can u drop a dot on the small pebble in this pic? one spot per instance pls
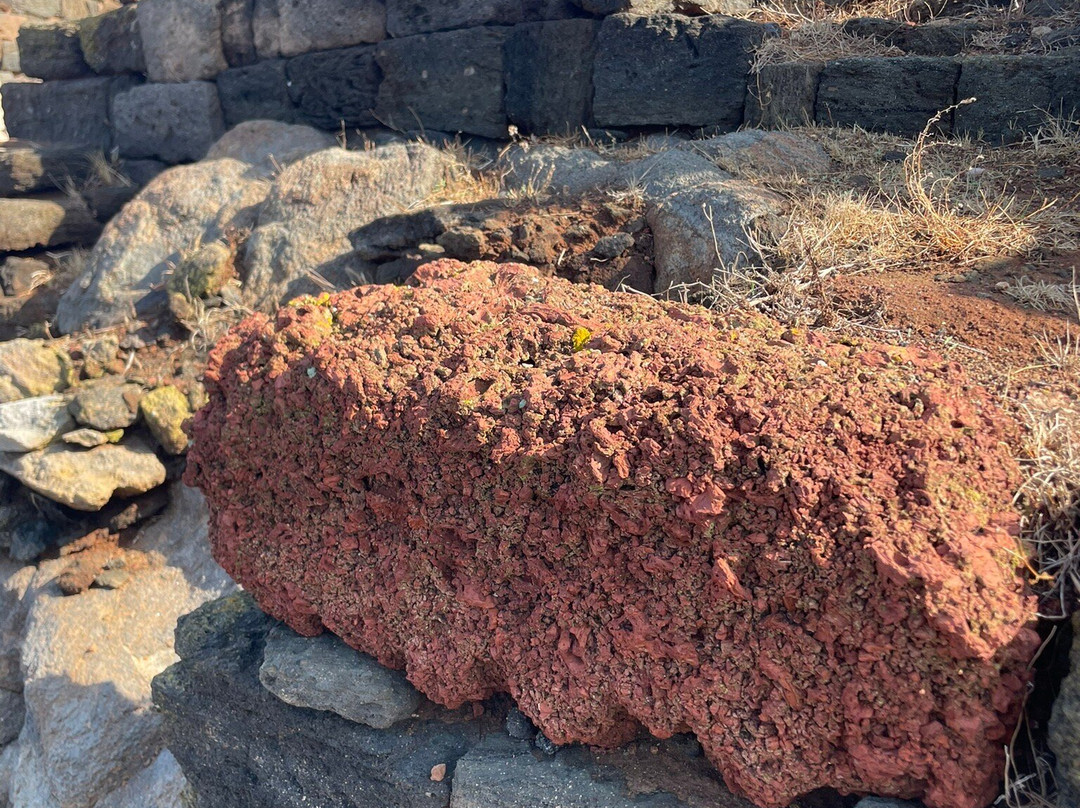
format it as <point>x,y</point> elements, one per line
<point>87,438</point>
<point>545,744</point>
<point>613,246</point>
<point>438,772</point>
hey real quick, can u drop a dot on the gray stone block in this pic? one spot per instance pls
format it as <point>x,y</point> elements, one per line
<point>897,95</point>
<point>409,17</point>
<point>549,68</point>
<point>451,81</point>
<point>52,51</point>
<point>257,92</point>
<point>237,33</point>
<point>671,70</point>
<point>74,112</point>
<point>783,94</point>
<point>172,122</point>
<point>181,39</point>
<point>25,168</point>
<point>323,673</point>
<point>293,27</point>
<point>335,86</point>
<point>1016,94</point>
<point>111,43</point>
<point>48,220</point>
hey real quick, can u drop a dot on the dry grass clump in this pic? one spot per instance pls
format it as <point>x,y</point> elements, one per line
<point>466,178</point>
<point>1043,296</point>
<point>946,202</point>
<point>817,40</point>
<point>1050,496</point>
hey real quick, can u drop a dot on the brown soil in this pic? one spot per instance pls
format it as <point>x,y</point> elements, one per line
<point>967,317</point>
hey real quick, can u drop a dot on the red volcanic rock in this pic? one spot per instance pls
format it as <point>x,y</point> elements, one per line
<point>624,513</point>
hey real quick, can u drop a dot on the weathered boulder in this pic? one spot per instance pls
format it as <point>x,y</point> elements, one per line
<point>111,43</point>
<point>32,423</point>
<point>174,122</point>
<point>45,220</point>
<point>314,206</point>
<point>269,145</point>
<point>671,70</point>
<point>52,51</point>
<point>325,674</point>
<point>289,28</point>
<point>179,209</point>
<point>753,153</point>
<point>87,662</point>
<point>1065,726</point>
<point>181,39</point>
<point>631,513</point>
<point>450,81</point>
<point>87,480</point>
<point>700,230</point>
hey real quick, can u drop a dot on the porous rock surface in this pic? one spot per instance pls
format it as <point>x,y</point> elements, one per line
<point>626,512</point>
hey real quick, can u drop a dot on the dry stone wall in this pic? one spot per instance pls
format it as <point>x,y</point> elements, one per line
<point>163,79</point>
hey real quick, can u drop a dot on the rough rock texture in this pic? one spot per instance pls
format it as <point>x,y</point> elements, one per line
<point>52,51</point>
<point>891,95</point>
<point>72,112</point>
<point>549,68</point>
<point>111,43</point>
<point>87,480</point>
<point>256,91</point>
<point>174,122</point>
<point>1014,93</point>
<point>1065,726</point>
<point>181,39</point>
<point>269,145</point>
<point>31,423</point>
<point>630,513</point>
<point>318,202</point>
<point>451,81</point>
<point>106,404</point>
<point>45,221</point>
<point>32,368</point>
<point>87,661</point>
<point>325,674</point>
<point>783,95</point>
<point>164,410</point>
<point>291,27</point>
<point>333,87</point>
<point>673,70</point>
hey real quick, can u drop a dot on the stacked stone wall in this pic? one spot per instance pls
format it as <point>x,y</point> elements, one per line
<point>163,79</point>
